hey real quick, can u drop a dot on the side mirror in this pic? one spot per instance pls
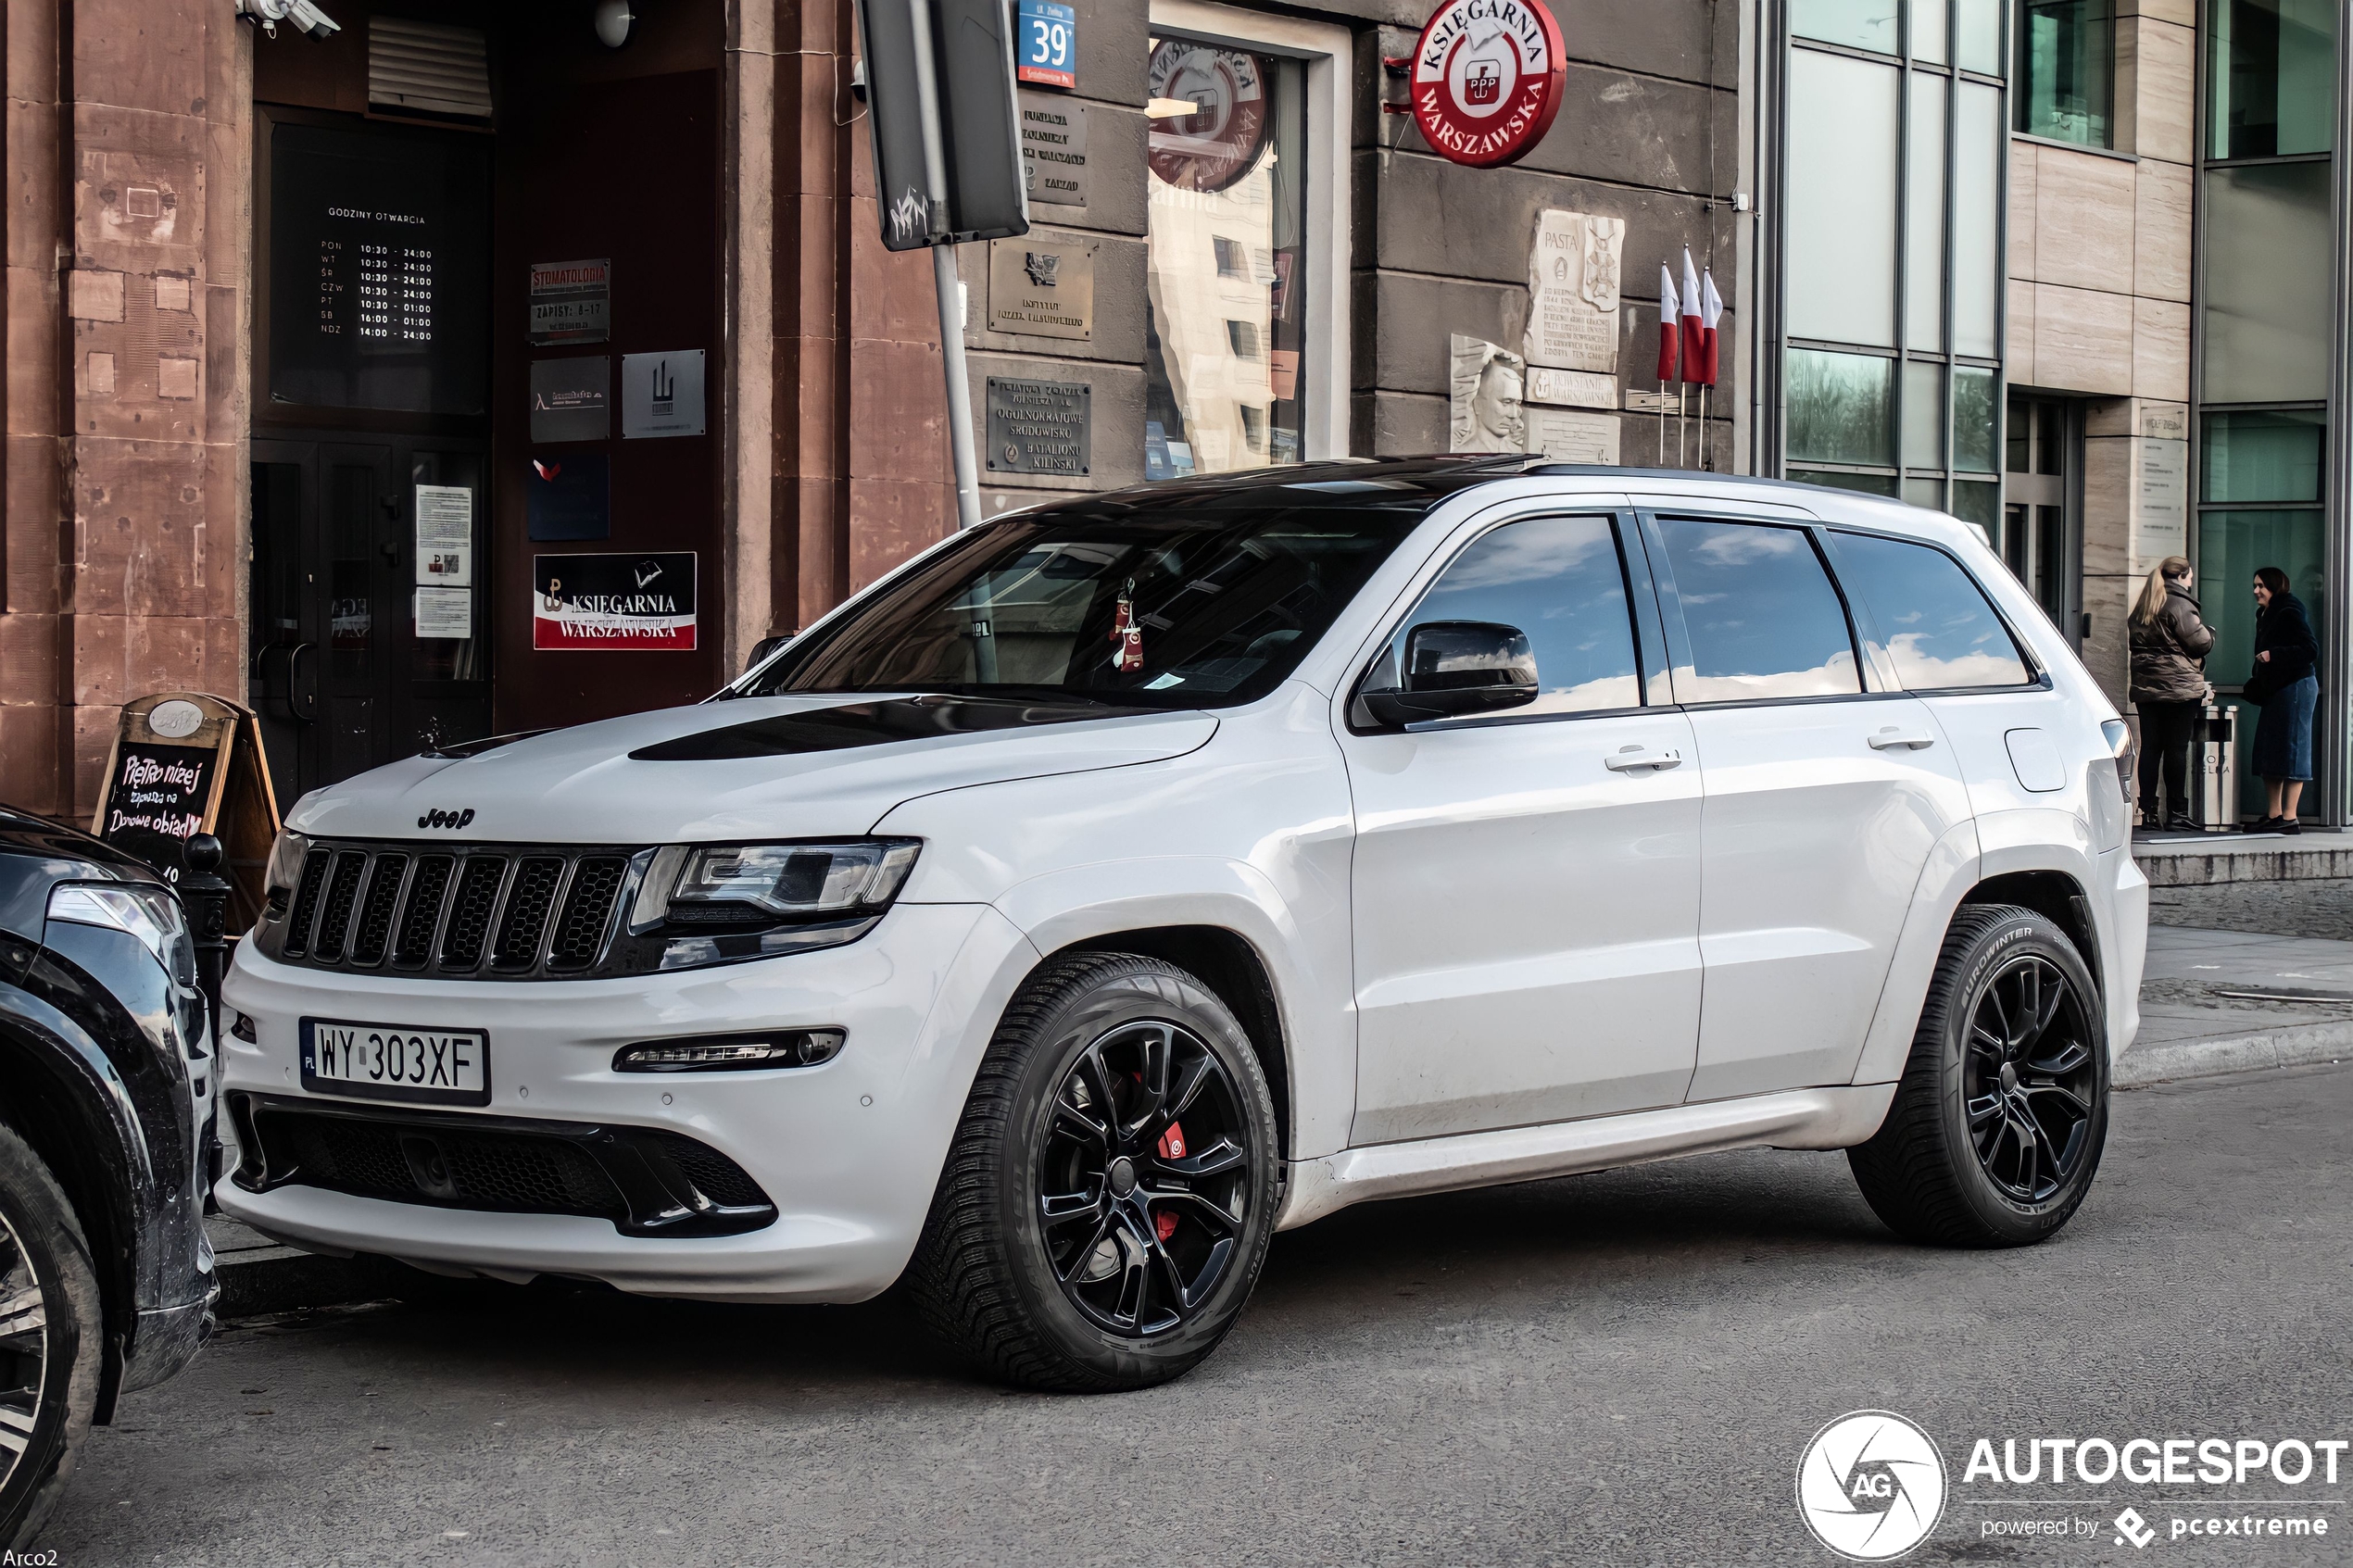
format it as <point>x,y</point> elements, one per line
<point>762,648</point>
<point>1453,667</point>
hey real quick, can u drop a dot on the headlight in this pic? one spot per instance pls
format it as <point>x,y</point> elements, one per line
<point>286,869</point>
<point>147,912</point>
<point>719,903</point>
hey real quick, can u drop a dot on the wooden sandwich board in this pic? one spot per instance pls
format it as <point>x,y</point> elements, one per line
<point>184,763</point>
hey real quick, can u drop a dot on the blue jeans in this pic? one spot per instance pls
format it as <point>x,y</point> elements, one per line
<point>2283,737</point>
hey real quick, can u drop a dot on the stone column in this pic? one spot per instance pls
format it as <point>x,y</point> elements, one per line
<point>127,260</point>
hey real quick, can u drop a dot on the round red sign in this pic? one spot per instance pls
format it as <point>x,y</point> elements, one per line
<point>1488,80</point>
<point>1220,139</point>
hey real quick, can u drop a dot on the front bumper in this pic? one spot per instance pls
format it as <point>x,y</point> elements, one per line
<point>848,1151</point>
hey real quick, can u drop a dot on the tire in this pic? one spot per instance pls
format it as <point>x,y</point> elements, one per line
<point>49,1367</point>
<point>1033,1263</point>
<point>1998,1122</point>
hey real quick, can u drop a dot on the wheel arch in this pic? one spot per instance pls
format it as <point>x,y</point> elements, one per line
<point>1225,961</point>
<point>2058,898</point>
<point>53,1100</point>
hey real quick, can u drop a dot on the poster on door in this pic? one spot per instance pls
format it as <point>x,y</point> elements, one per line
<point>612,603</point>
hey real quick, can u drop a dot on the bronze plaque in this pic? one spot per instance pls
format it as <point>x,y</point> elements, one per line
<point>1041,288</point>
<point>1038,426</point>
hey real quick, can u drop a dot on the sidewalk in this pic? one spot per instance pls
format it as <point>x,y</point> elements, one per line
<point>2189,1029</point>
<point>2293,1004</point>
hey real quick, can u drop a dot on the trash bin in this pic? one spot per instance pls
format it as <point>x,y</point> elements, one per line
<point>2214,769</point>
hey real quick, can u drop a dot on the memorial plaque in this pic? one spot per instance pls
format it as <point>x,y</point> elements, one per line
<point>1038,426</point>
<point>1053,149</point>
<point>1041,288</point>
<point>1567,437</point>
<point>1573,290</point>
<point>1572,389</point>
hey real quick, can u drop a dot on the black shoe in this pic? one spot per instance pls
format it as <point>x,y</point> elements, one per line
<point>2264,825</point>
<point>2289,824</point>
<point>2178,823</point>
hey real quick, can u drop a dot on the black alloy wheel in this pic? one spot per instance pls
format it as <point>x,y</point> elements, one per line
<point>1144,1179</point>
<point>2028,1081</point>
<point>1108,1198</point>
<point>1996,1128</point>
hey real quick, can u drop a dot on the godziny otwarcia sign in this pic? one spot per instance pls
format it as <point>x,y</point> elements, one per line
<point>1488,80</point>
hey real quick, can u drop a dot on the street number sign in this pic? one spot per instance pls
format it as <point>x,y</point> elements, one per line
<point>1047,52</point>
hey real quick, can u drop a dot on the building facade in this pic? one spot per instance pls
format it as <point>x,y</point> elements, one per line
<point>461,371</point>
<point>458,373</point>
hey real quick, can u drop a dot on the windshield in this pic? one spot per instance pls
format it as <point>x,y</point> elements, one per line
<point>1191,605</point>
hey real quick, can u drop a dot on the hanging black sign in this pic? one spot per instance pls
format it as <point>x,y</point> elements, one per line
<point>972,51</point>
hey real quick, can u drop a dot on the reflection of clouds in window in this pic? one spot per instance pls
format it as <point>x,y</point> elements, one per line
<point>1833,677</point>
<point>1746,546</point>
<point>1981,665</point>
<point>1586,696</point>
<point>1520,553</point>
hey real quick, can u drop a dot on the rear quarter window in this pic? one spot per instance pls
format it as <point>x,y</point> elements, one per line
<point>1935,624</point>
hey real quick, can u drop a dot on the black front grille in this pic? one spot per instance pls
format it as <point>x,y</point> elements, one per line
<point>525,920</point>
<point>477,895</point>
<point>646,1181</point>
<point>509,912</point>
<point>375,915</point>
<point>425,894</point>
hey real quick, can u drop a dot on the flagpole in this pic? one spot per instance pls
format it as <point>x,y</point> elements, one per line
<point>1703,426</point>
<point>1681,441</point>
<point>1662,423</point>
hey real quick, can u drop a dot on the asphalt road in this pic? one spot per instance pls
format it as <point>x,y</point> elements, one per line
<point>1620,1368</point>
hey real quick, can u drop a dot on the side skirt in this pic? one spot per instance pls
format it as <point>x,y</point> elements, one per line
<point>1824,1118</point>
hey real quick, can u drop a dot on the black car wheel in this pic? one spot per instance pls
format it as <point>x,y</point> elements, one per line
<point>1108,1201</point>
<point>52,1338</point>
<point>1997,1125</point>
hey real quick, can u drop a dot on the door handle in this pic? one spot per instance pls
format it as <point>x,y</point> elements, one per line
<point>1890,737</point>
<point>1633,758</point>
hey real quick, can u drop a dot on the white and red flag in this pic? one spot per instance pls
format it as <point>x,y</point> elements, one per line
<point>1668,330</point>
<point>1711,310</point>
<point>1695,338</point>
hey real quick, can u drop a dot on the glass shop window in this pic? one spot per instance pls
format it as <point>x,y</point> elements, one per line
<point>1227,259</point>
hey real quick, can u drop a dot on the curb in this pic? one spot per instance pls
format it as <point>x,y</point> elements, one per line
<point>2297,1045</point>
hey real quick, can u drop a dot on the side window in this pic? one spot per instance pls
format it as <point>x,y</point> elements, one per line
<point>1558,580</point>
<point>1940,633</point>
<point>1762,619</point>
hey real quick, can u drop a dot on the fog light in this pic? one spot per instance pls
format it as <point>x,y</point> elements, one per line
<point>736,1053</point>
<point>242,1027</point>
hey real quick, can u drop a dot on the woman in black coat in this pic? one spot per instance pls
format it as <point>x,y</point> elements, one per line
<point>2286,683</point>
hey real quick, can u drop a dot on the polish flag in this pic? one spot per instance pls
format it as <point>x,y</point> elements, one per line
<point>1711,310</point>
<point>1667,331</point>
<point>1695,332</point>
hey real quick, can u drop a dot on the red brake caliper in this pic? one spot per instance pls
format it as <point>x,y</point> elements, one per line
<point>1171,1147</point>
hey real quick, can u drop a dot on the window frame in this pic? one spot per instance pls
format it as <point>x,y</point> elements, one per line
<point>1869,677</point>
<point>1328,51</point>
<point>1643,607</point>
<point>2038,675</point>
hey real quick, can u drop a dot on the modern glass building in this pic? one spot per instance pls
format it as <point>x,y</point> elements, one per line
<point>1881,353</point>
<point>2076,272</point>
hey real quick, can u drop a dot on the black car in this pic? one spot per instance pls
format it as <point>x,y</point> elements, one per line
<point>107,1085</point>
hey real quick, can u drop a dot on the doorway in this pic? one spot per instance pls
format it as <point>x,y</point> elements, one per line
<point>2041,534</point>
<point>353,660</point>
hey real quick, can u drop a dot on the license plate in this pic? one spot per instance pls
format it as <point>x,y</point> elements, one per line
<point>390,1062</point>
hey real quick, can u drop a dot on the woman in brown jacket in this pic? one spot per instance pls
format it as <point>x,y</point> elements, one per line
<point>2169,643</point>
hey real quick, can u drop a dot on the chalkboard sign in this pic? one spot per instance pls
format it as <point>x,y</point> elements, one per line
<point>184,763</point>
<point>378,269</point>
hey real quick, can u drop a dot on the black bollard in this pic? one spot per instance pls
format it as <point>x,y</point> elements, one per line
<point>205,893</point>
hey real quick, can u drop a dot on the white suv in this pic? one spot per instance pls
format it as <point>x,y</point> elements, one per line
<point>1121,882</point>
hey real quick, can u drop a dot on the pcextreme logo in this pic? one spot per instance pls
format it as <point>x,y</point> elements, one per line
<point>1871,1486</point>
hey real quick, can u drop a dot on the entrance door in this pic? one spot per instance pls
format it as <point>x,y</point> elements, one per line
<point>1526,887</point>
<point>2040,539</point>
<point>337,671</point>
